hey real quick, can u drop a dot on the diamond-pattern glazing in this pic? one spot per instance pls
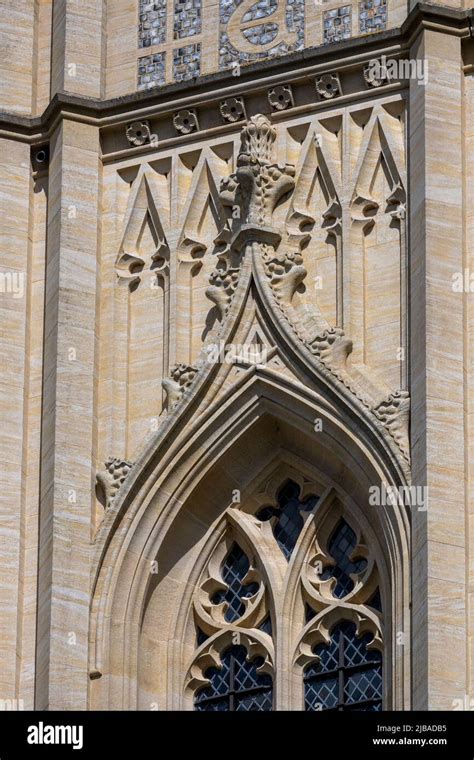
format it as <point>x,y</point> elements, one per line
<point>234,570</point>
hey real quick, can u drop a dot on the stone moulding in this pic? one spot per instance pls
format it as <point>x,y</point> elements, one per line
<point>150,493</point>
<point>297,66</point>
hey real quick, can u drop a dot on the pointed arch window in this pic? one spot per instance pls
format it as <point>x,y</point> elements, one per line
<point>297,569</point>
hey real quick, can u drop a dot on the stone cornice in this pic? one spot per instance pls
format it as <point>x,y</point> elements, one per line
<point>254,77</point>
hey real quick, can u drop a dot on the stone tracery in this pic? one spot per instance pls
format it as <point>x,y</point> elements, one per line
<point>334,586</point>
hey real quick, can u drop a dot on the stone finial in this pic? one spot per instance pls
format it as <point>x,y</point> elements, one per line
<point>257,140</point>
<point>259,183</point>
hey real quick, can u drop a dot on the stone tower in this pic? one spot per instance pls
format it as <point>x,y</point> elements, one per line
<point>237,338</point>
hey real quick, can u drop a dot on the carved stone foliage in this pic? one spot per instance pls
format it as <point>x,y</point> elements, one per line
<point>394,413</point>
<point>283,550</point>
<point>331,345</point>
<point>182,376</point>
<point>375,74</point>
<point>328,86</point>
<point>111,478</point>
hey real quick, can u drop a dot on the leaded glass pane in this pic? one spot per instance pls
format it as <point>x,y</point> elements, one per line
<point>321,695</point>
<point>362,686</point>
<point>259,702</point>
<point>355,649</point>
<point>328,656</point>
<point>346,675</point>
<point>341,547</point>
<point>266,626</point>
<point>236,685</point>
<point>288,520</point>
<point>376,601</point>
<point>234,570</point>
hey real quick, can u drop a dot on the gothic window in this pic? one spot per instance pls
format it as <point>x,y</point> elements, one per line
<point>236,685</point>
<point>325,606</point>
<point>346,675</point>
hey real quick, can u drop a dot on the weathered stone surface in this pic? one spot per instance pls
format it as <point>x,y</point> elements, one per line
<point>206,295</point>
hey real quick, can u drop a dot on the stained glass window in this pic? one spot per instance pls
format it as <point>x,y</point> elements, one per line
<point>346,676</point>
<point>341,547</point>
<point>236,686</point>
<point>288,519</point>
